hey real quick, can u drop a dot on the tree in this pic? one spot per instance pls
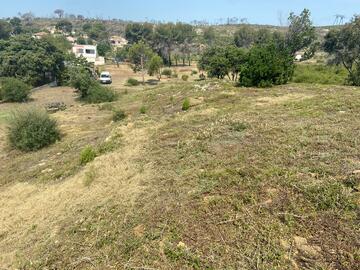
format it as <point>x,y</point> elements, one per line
<point>121,54</point>
<point>343,44</point>
<point>165,39</point>
<point>184,36</point>
<point>155,65</point>
<point>237,58</point>
<point>60,42</point>
<point>65,26</point>
<point>103,47</point>
<point>215,63</point>
<point>139,55</point>
<point>5,29</point>
<point>266,65</point>
<point>244,37</point>
<point>301,32</point>
<point>136,32</point>
<point>96,31</point>
<point>35,61</point>
<point>16,25</point>
<point>59,12</point>
<point>209,35</point>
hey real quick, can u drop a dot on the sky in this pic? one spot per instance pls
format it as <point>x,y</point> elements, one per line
<point>272,12</point>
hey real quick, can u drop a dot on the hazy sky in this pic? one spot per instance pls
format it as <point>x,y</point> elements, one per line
<point>256,11</point>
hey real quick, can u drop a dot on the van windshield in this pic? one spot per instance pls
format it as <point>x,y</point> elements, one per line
<point>105,76</point>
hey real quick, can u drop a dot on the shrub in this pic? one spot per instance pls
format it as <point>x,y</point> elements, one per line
<point>118,115</point>
<point>184,77</point>
<point>143,109</point>
<point>175,75</point>
<point>100,94</point>
<point>321,74</point>
<point>202,77</point>
<point>32,129</point>
<point>87,155</point>
<point>186,104</point>
<point>266,65</point>
<point>194,72</point>
<point>132,82</point>
<point>167,72</point>
<point>14,90</point>
<point>82,80</point>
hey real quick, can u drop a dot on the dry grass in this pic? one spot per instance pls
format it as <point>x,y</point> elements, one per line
<point>236,182</point>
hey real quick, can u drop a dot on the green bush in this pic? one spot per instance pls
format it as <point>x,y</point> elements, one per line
<point>13,90</point>
<point>32,129</point>
<point>265,66</point>
<point>194,72</point>
<point>100,94</point>
<point>184,77</point>
<point>143,110</point>
<point>321,74</point>
<point>167,72</point>
<point>186,104</point>
<point>87,155</point>
<point>82,80</point>
<point>132,82</point>
<point>119,115</point>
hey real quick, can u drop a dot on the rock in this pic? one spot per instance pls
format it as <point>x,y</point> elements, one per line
<point>356,172</point>
<point>307,251</point>
<point>182,245</point>
<point>47,170</point>
<point>55,107</point>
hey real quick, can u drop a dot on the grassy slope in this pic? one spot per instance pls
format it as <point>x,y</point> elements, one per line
<point>247,179</point>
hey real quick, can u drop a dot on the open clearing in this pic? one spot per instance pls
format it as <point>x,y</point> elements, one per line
<point>246,179</point>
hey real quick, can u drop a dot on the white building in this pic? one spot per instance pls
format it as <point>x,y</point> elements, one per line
<point>89,52</point>
<point>118,41</point>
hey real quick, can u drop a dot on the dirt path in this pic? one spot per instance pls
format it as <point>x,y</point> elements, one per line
<point>30,214</point>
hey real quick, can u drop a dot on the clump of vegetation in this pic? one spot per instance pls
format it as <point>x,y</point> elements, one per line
<point>238,126</point>
<point>330,195</point>
<point>186,104</point>
<point>321,74</point>
<point>175,75</point>
<point>118,115</point>
<point>99,94</point>
<point>342,44</point>
<point>167,72</point>
<point>267,66</point>
<point>143,110</point>
<point>13,90</point>
<point>132,82</point>
<point>87,155</point>
<point>194,72</point>
<point>32,129</point>
<point>184,77</point>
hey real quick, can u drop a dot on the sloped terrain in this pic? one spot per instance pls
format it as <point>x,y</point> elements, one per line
<point>245,179</point>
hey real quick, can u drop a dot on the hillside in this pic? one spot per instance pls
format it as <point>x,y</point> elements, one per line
<point>245,179</point>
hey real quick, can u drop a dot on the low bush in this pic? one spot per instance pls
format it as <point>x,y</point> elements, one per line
<point>100,94</point>
<point>118,115</point>
<point>143,110</point>
<point>167,72</point>
<point>194,72</point>
<point>32,129</point>
<point>321,74</point>
<point>87,155</point>
<point>202,77</point>
<point>132,82</point>
<point>184,77</point>
<point>186,104</point>
<point>13,90</point>
<point>175,75</point>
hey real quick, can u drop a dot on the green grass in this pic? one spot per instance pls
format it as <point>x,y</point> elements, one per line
<point>320,74</point>
<point>229,184</point>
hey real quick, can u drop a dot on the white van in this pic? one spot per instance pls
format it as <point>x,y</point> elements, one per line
<point>105,77</point>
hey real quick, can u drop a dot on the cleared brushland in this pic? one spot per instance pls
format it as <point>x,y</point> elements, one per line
<point>244,179</point>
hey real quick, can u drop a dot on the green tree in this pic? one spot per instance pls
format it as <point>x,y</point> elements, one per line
<point>301,33</point>
<point>16,25</point>
<point>36,62</point>
<point>59,12</point>
<point>5,29</point>
<point>155,65</point>
<point>121,54</point>
<point>215,63</point>
<point>209,35</point>
<point>139,55</point>
<point>65,26</point>
<point>343,44</point>
<point>266,65</point>
<point>103,47</point>
<point>244,37</point>
<point>60,42</point>
<point>136,32</point>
